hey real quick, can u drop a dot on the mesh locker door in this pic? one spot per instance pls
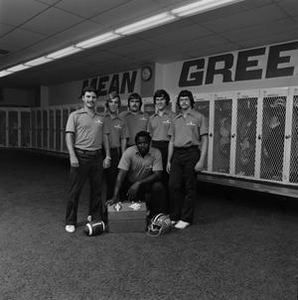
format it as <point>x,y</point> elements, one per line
<point>204,108</point>
<point>25,129</point>
<point>38,129</point>
<point>294,143</point>
<point>100,109</point>
<point>51,129</point>
<point>273,137</point>
<point>64,120</point>
<point>222,135</point>
<point>58,129</point>
<point>45,128</point>
<point>33,126</point>
<point>2,128</point>
<point>246,136</point>
<point>13,128</point>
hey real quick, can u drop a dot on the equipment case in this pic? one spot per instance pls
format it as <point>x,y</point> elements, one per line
<point>127,217</point>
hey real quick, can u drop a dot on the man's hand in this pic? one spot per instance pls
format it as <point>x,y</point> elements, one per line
<point>74,162</point>
<point>199,166</point>
<point>168,167</point>
<point>112,201</point>
<point>106,162</point>
<point>133,190</point>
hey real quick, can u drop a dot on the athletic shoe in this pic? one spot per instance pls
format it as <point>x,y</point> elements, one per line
<point>173,222</point>
<point>70,228</point>
<point>181,224</point>
<point>89,218</point>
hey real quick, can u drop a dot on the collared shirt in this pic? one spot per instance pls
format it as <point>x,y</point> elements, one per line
<point>159,125</point>
<point>140,167</point>
<point>118,130</point>
<point>88,129</point>
<point>186,131</point>
<point>135,123</point>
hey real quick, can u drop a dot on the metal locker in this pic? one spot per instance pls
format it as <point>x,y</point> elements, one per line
<point>272,136</point>
<point>3,127</point>
<point>65,113</point>
<point>38,129</point>
<point>33,128</point>
<point>58,130</point>
<point>51,129</point>
<point>45,129</point>
<point>246,132</point>
<point>13,128</point>
<point>202,105</point>
<point>148,106</point>
<point>25,128</point>
<point>222,137</point>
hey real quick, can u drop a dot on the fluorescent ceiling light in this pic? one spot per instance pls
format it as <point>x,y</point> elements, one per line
<point>5,73</point>
<point>17,68</point>
<point>146,23</point>
<point>37,61</point>
<point>100,39</point>
<point>64,52</point>
<point>201,6</point>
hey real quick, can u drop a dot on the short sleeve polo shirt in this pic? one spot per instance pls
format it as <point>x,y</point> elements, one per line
<point>139,167</point>
<point>159,125</point>
<point>118,130</point>
<point>186,131</point>
<point>88,129</point>
<point>135,123</point>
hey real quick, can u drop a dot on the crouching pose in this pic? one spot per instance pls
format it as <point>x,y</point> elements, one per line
<point>140,173</point>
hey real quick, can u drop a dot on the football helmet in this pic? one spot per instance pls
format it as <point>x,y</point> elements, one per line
<point>159,224</point>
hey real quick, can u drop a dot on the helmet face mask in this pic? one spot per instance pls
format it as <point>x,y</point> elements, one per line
<point>160,224</point>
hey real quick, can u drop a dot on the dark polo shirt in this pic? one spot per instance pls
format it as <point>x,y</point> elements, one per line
<point>140,167</point>
<point>186,132</point>
<point>159,125</point>
<point>118,130</point>
<point>135,123</point>
<point>88,129</point>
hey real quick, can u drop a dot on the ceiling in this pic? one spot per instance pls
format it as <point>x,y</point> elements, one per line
<point>32,28</point>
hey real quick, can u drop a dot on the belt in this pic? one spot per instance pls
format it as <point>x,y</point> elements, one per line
<point>186,148</point>
<point>90,152</point>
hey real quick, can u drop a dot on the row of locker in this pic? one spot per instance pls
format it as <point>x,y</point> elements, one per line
<point>252,134</point>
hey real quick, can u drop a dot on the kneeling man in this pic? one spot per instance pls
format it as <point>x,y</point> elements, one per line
<point>140,173</point>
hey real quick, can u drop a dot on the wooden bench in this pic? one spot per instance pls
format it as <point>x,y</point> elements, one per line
<point>239,183</point>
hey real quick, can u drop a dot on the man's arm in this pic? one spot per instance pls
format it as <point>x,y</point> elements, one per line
<point>170,154</point>
<point>123,145</point>
<point>69,139</point>
<point>120,178</point>
<point>200,164</point>
<point>106,145</point>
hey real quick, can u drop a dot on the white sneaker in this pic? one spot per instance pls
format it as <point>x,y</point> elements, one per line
<point>181,224</point>
<point>173,223</point>
<point>70,228</point>
<point>89,218</point>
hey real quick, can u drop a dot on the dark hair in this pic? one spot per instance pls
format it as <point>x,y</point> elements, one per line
<point>144,134</point>
<point>89,89</point>
<point>161,93</point>
<point>111,96</point>
<point>186,93</point>
<point>134,96</point>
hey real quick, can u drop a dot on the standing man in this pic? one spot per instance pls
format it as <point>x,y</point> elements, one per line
<point>117,139</point>
<point>140,171</point>
<point>158,127</point>
<point>185,159</point>
<point>86,133</point>
<point>135,119</point>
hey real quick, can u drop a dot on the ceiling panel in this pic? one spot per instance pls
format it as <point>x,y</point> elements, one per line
<point>52,21</point>
<point>90,8</point>
<point>4,28</point>
<point>15,12</point>
<point>81,31</point>
<point>127,12</point>
<point>18,39</point>
<point>260,15</point>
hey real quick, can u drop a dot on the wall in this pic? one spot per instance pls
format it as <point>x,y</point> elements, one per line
<point>19,97</point>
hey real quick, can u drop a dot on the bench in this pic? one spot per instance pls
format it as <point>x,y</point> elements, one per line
<point>239,183</point>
